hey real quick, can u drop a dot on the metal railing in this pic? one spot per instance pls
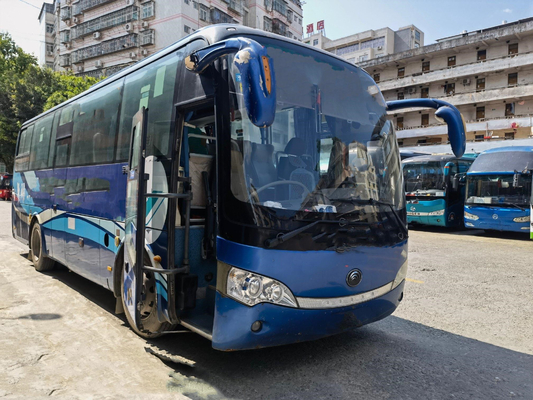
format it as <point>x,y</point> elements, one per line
<point>82,5</point>
<point>107,47</point>
<point>64,61</point>
<point>123,16</point>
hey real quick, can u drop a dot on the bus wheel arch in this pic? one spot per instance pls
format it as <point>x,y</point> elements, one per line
<point>36,243</point>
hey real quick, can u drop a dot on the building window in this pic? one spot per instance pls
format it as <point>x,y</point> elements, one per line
<point>480,84</point>
<point>50,65</point>
<point>424,93</point>
<point>512,79</point>
<point>364,57</point>
<point>376,78</point>
<point>203,13</point>
<point>509,135</point>
<point>401,72</point>
<point>187,29</point>
<point>509,109</point>
<point>449,89</point>
<point>400,143</point>
<point>295,18</point>
<point>479,138</point>
<point>417,35</point>
<point>267,24</point>
<point>451,61</point>
<point>480,112</point>
<point>481,55</point>
<point>421,141</point>
<point>400,96</point>
<point>186,1</point>
<point>49,47</point>
<point>147,10</point>
<point>315,42</point>
<point>347,49</point>
<point>399,123</point>
<point>195,5</point>
<point>513,48</point>
<point>425,66</point>
<point>425,120</point>
<point>49,28</point>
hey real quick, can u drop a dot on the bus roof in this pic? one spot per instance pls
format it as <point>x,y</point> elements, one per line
<point>434,157</point>
<point>211,34</point>
<point>501,160</point>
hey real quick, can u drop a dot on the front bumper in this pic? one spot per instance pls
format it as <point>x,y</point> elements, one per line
<point>284,325</point>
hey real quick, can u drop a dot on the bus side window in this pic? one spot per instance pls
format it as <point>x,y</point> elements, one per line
<point>153,88</point>
<point>64,134</point>
<point>41,142</point>
<point>464,166</point>
<point>23,153</point>
<point>95,125</point>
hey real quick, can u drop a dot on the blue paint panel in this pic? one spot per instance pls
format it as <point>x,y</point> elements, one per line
<point>317,273</point>
<point>284,325</point>
<point>497,218</point>
<point>424,207</point>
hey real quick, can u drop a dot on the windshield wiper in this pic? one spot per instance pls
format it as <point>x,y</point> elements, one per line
<point>509,204</point>
<point>373,202</point>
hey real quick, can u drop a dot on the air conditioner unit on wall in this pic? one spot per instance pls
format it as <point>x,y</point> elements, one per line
<point>75,20</point>
<point>97,35</point>
<point>98,64</point>
<point>67,45</point>
<point>466,81</point>
<point>144,52</point>
<point>145,25</point>
<point>133,55</point>
<point>49,53</point>
<point>380,47</point>
<point>411,90</point>
<point>128,27</point>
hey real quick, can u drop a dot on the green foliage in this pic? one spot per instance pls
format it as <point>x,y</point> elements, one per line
<point>26,90</point>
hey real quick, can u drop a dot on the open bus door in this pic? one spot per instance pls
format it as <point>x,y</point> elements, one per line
<point>135,216</point>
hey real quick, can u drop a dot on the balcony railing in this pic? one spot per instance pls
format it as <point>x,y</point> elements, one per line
<point>107,47</point>
<point>147,37</point>
<point>279,27</point>
<point>82,5</point>
<point>235,6</point>
<point>64,61</point>
<point>110,20</point>
<point>66,13</point>
<point>218,17</point>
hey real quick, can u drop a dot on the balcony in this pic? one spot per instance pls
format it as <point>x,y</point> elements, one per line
<point>235,6</point>
<point>459,71</point>
<point>279,27</point>
<point>64,61</point>
<point>218,17</point>
<point>123,16</point>
<point>147,37</point>
<point>107,47</point>
<point>83,5</point>
<point>65,13</point>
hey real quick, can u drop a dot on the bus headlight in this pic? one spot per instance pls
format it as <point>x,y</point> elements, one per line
<point>521,219</point>
<point>438,212</point>
<point>470,216</point>
<point>251,289</point>
<point>400,276</point>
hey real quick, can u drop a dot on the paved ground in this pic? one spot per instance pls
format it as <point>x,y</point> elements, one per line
<point>463,331</point>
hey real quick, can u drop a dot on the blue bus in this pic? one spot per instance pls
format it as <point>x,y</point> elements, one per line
<point>499,190</point>
<point>238,183</point>
<point>434,189</point>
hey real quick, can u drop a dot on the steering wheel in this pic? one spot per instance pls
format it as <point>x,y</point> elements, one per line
<point>277,183</point>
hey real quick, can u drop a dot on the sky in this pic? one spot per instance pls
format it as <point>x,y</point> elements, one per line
<point>437,19</point>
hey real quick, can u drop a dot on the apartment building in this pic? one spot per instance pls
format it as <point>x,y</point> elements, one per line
<point>370,44</point>
<point>46,35</point>
<point>100,37</point>
<point>487,74</point>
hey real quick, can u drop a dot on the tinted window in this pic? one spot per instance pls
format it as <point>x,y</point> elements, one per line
<point>153,88</point>
<point>41,142</point>
<point>23,153</point>
<point>95,126</point>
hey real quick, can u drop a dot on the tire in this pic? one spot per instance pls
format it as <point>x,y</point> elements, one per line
<point>41,262</point>
<point>149,319</point>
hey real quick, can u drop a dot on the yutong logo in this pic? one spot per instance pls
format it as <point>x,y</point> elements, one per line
<point>354,277</point>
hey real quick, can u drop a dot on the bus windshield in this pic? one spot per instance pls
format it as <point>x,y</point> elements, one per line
<point>330,146</point>
<point>499,190</point>
<point>424,178</point>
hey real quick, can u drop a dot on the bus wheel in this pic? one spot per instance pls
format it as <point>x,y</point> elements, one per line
<point>40,261</point>
<point>152,328</point>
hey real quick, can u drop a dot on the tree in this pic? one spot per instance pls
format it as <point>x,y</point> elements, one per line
<point>67,86</point>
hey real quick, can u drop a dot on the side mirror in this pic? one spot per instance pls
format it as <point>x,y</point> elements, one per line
<point>446,112</point>
<point>257,74</point>
<point>455,183</point>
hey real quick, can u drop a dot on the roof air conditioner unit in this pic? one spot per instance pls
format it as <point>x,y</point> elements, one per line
<point>97,35</point>
<point>75,20</point>
<point>466,81</point>
<point>133,55</point>
<point>79,69</point>
<point>144,52</point>
<point>98,64</point>
<point>145,25</point>
<point>128,27</point>
<point>49,53</point>
<point>411,90</point>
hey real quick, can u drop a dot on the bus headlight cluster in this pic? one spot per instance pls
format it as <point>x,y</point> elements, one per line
<point>438,212</point>
<point>252,289</point>
<point>400,276</point>
<point>470,216</point>
<point>521,219</point>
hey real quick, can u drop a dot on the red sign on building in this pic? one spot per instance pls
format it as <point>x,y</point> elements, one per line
<point>310,28</point>
<point>320,25</point>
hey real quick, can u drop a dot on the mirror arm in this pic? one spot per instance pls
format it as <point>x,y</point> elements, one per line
<point>449,113</point>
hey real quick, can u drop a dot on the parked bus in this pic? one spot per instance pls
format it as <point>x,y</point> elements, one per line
<point>432,198</point>
<point>5,186</point>
<point>238,183</point>
<point>499,190</point>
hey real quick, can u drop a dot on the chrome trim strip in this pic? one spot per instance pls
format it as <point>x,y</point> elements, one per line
<point>197,330</point>
<point>314,303</point>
